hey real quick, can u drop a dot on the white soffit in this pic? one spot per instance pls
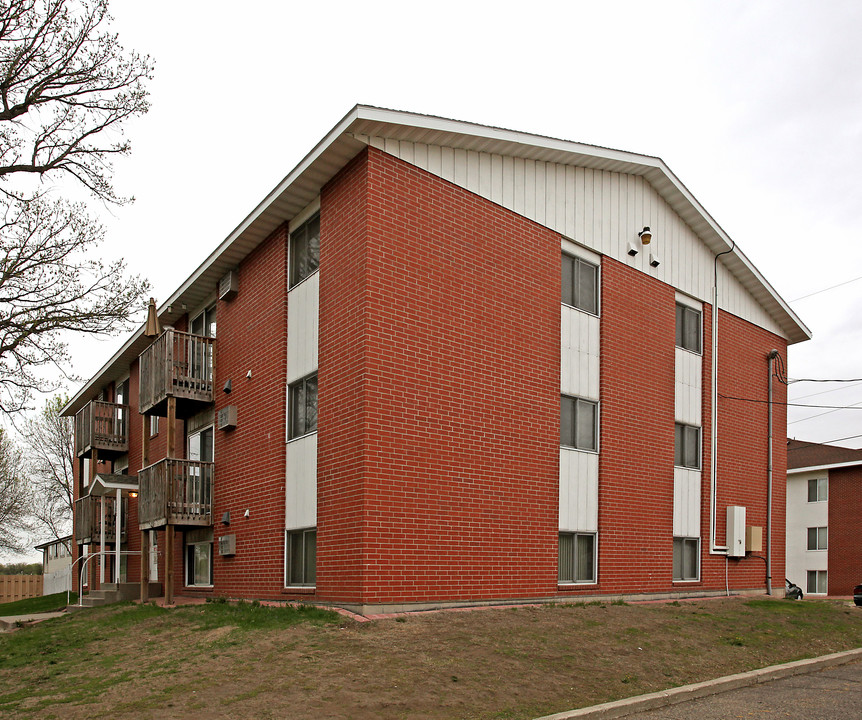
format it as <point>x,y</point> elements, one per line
<point>340,145</point>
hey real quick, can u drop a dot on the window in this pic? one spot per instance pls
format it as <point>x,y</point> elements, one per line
<point>818,490</point>
<point>580,284</point>
<point>577,423</point>
<point>303,407</point>
<point>577,560</point>
<point>154,425</point>
<point>685,558</point>
<point>205,323</point>
<point>688,328</point>
<point>817,581</point>
<point>304,250</point>
<point>817,538</point>
<point>302,557</point>
<point>687,446</point>
<point>199,557</point>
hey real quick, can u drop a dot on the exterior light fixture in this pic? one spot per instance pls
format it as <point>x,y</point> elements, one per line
<point>225,519</point>
<point>645,235</point>
<point>133,494</point>
<point>228,387</point>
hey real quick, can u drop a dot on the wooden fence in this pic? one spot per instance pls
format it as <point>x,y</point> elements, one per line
<point>19,587</point>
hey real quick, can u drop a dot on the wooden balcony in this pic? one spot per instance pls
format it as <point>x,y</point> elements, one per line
<point>178,365</point>
<point>175,492</point>
<point>102,426</point>
<point>88,520</point>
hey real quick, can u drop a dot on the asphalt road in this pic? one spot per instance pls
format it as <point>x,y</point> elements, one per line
<point>831,694</point>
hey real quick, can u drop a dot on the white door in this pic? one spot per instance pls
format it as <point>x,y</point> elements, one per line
<point>154,556</point>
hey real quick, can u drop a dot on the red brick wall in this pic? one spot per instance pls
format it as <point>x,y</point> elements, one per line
<point>250,460</point>
<point>845,530</point>
<point>458,305</point>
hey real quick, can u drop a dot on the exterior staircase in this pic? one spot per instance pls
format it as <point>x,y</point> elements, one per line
<point>117,592</point>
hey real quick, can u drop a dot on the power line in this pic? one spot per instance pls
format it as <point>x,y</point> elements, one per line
<point>793,404</point>
<point>846,282</point>
<point>832,380</point>
<point>809,443</point>
<point>824,392</point>
<point>828,412</point>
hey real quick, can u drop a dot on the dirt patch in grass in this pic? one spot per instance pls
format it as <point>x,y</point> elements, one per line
<point>223,661</point>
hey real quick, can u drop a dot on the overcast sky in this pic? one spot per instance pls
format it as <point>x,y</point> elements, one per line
<point>756,106</point>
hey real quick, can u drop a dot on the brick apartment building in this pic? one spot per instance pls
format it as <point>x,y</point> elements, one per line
<point>824,530</point>
<point>401,407</point>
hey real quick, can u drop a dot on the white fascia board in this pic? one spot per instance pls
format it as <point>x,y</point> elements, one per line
<point>817,468</point>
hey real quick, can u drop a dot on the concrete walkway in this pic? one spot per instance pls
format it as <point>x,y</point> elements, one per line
<point>665,698</point>
<point>10,622</point>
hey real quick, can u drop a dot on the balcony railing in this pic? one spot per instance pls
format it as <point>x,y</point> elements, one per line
<point>175,492</point>
<point>88,519</point>
<point>178,365</point>
<point>101,426</point>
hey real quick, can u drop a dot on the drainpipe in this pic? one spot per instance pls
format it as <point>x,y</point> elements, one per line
<point>714,548</point>
<point>772,355</point>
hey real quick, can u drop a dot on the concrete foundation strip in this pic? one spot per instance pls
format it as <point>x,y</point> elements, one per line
<point>656,700</point>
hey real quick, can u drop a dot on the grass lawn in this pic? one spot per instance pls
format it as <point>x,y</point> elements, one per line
<point>46,603</point>
<point>248,661</point>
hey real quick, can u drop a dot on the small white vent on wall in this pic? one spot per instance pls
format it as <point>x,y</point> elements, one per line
<point>228,286</point>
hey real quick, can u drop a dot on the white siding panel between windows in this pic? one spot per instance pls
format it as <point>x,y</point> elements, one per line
<point>300,486</point>
<point>609,210</point>
<point>579,491</point>
<point>686,502</point>
<point>302,328</point>
<point>802,515</point>
<point>688,387</point>
<point>579,353</point>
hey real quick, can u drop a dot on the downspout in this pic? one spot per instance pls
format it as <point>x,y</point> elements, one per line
<point>714,548</point>
<point>772,355</point>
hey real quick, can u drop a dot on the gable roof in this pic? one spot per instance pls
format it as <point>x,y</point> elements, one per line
<point>342,143</point>
<point>803,455</point>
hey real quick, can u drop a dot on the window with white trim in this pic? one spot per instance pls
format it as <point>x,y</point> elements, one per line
<point>687,446</point>
<point>686,556</point>
<point>199,557</point>
<point>578,423</point>
<point>304,250</point>
<point>817,538</point>
<point>688,328</point>
<point>577,558</point>
<point>580,286</point>
<point>818,490</point>
<point>303,407</point>
<point>817,582</point>
<point>301,550</point>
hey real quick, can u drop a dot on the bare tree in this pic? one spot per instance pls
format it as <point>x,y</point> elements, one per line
<point>15,498</point>
<point>66,87</point>
<point>49,439</point>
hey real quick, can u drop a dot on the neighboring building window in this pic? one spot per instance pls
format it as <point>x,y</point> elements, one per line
<point>818,490</point>
<point>303,407</point>
<point>685,558</point>
<point>580,284</point>
<point>302,557</point>
<point>304,250</point>
<point>577,423</point>
<point>817,581</point>
<point>687,446</point>
<point>688,328</point>
<point>817,538</point>
<point>199,557</point>
<point>577,560</point>
<point>154,425</point>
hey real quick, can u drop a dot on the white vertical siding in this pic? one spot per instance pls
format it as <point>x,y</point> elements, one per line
<point>579,491</point>
<point>688,387</point>
<point>600,209</point>
<point>579,353</point>
<point>302,328</point>
<point>301,485</point>
<point>686,502</point>
<point>802,515</point>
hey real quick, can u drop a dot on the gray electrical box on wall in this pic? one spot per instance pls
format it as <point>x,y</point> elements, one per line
<point>735,531</point>
<point>227,545</point>
<point>227,418</point>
